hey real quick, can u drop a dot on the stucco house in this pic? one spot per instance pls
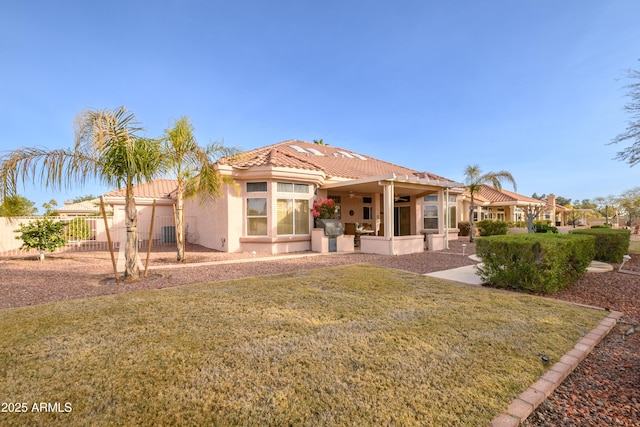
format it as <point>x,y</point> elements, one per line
<point>493,204</point>
<point>81,209</point>
<point>159,190</point>
<point>397,209</point>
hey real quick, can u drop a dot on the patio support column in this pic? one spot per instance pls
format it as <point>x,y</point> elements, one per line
<point>441,211</point>
<point>388,214</point>
<point>376,213</point>
<point>446,218</point>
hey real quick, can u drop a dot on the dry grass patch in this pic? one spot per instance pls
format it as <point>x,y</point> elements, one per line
<point>634,247</point>
<point>357,345</point>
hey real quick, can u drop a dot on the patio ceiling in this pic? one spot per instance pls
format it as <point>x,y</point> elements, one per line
<point>403,185</point>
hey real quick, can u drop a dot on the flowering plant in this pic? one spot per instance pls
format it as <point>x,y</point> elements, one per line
<point>324,208</point>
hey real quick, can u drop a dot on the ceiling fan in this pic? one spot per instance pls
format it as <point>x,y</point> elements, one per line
<point>352,195</point>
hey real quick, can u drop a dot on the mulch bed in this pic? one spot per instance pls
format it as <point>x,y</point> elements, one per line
<point>604,390</point>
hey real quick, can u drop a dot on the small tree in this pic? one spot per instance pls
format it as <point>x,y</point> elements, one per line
<point>474,179</point>
<point>17,206</point>
<point>631,154</point>
<point>629,202</point>
<point>42,234</point>
<point>531,212</point>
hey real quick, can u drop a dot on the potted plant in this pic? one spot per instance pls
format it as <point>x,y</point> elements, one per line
<point>323,209</point>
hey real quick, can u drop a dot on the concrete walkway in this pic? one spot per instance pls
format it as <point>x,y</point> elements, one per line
<point>467,274</point>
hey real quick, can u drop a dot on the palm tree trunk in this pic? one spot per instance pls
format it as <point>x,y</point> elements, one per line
<point>180,227</point>
<point>132,267</point>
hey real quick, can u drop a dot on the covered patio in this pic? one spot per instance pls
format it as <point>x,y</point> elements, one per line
<point>385,212</point>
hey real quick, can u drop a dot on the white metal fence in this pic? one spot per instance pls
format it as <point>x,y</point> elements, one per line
<point>89,233</point>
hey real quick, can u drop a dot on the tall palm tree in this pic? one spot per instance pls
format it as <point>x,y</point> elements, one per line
<point>107,148</point>
<point>474,179</point>
<point>194,169</point>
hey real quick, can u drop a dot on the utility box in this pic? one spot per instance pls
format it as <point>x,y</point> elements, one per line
<point>168,234</point>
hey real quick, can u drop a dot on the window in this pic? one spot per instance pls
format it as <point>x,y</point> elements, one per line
<point>255,187</point>
<point>257,216</point>
<point>453,220</point>
<point>290,187</point>
<point>293,216</point>
<point>367,212</point>
<point>430,211</point>
<point>292,213</point>
<point>430,216</point>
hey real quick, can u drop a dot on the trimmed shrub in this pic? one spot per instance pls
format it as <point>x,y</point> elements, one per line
<point>611,245</point>
<point>601,226</point>
<point>542,263</point>
<point>544,228</point>
<point>517,224</point>
<point>492,228</point>
<point>464,227</point>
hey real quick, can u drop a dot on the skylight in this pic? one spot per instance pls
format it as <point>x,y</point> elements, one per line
<point>315,151</point>
<point>298,149</point>
<point>345,154</point>
<point>360,156</point>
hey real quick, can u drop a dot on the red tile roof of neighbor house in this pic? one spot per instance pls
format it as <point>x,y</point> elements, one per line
<point>157,189</point>
<point>84,207</point>
<point>490,194</point>
<point>333,161</point>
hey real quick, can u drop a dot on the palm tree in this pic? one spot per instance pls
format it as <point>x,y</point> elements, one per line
<point>194,169</point>
<point>107,148</point>
<point>474,179</point>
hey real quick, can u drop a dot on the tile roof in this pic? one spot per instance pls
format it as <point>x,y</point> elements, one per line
<point>333,161</point>
<point>87,206</point>
<point>156,189</point>
<point>490,194</point>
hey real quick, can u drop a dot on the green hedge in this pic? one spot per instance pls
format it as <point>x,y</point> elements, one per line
<point>464,227</point>
<point>542,263</point>
<point>492,228</point>
<point>545,228</point>
<point>611,245</point>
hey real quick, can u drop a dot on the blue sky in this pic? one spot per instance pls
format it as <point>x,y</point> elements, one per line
<point>534,87</point>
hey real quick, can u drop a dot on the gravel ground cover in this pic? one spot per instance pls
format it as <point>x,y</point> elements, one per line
<point>603,390</point>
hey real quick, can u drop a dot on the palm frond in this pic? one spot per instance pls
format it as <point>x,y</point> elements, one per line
<point>51,168</point>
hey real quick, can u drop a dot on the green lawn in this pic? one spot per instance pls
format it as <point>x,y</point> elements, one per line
<point>356,345</point>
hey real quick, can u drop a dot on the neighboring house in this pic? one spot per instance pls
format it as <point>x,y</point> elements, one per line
<point>493,204</point>
<point>502,205</point>
<point>159,190</point>
<point>556,214</point>
<point>269,210</point>
<point>85,208</point>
